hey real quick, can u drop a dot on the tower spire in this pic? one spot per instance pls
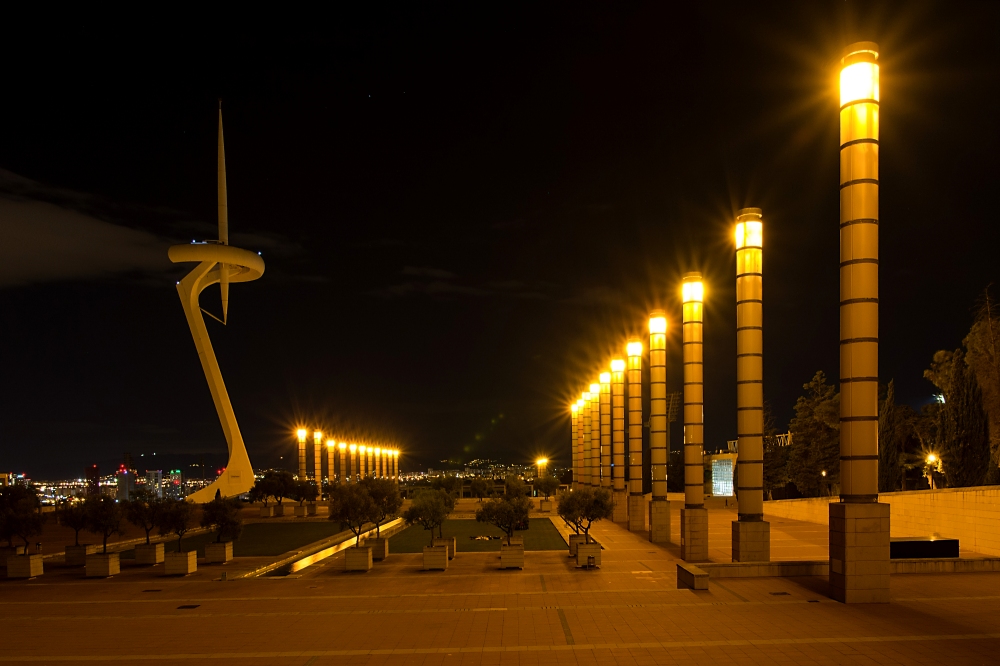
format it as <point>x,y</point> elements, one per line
<point>223,221</point>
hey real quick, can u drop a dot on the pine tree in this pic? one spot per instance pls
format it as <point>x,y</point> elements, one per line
<point>966,440</point>
<point>890,439</point>
<point>815,431</point>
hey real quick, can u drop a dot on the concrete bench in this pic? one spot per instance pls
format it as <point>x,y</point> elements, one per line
<point>691,577</point>
<point>922,547</point>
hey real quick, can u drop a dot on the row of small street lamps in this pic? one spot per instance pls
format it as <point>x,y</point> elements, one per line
<point>357,461</point>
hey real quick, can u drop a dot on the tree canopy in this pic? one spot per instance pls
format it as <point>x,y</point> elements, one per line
<point>386,501</point>
<point>223,515</point>
<point>546,485</point>
<point>429,509</point>
<point>142,510</point>
<point>105,517</point>
<point>175,518</point>
<point>73,515</point>
<point>582,508</point>
<point>351,504</point>
<point>19,516</point>
<point>508,513</point>
<point>815,446</point>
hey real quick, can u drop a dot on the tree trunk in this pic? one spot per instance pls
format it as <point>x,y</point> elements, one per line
<point>105,544</point>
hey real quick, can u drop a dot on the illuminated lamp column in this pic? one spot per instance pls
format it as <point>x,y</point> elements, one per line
<point>659,440</point>
<point>605,430</point>
<point>572,446</point>
<point>378,462</point>
<point>318,456</point>
<point>385,463</point>
<point>619,494</point>
<point>331,451</point>
<point>859,524</point>
<point>578,481</point>
<point>595,435</point>
<point>372,458</point>
<point>751,533</point>
<point>636,499</point>
<point>351,477</point>
<point>587,435</point>
<point>694,515</point>
<point>302,433</point>
<point>395,466</point>
<point>343,478</point>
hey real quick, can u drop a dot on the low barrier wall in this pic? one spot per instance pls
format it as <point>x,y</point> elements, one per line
<point>971,515</point>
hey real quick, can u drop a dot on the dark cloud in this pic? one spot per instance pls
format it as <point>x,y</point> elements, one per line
<point>427,271</point>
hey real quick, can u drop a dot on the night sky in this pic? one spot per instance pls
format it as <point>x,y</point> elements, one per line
<point>463,211</point>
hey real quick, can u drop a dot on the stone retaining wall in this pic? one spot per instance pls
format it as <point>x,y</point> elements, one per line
<point>971,515</point>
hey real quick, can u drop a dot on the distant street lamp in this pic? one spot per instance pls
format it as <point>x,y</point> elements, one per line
<point>331,449</point>
<point>659,508</point>
<point>395,465</point>
<point>619,495</point>
<point>636,499</point>
<point>318,455</point>
<point>694,516</point>
<point>302,433</point>
<point>751,536</point>
<point>344,475</point>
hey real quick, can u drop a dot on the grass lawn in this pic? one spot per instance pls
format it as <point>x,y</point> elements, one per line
<point>540,535</point>
<point>260,539</point>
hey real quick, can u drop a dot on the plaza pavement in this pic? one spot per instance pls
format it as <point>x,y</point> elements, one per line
<point>627,612</point>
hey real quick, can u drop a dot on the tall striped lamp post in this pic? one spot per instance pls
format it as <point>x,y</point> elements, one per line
<point>694,516</point>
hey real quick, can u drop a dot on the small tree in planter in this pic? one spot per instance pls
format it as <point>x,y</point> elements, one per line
<point>386,503</point>
<point>74,516</point>
<point>480,488</point>
<point>104,517</point>
<point>582,508</point>
<point>261,493</point>
<point>429,509</point>
<point>175,518</point>
<point>224,516</point>
<point>508,513</point>
<point>280,484</point>
<point>20,518</point>
<point>546,486</point>
<point>142,511</point>
<point>352,506</point>
<point>303,491</point>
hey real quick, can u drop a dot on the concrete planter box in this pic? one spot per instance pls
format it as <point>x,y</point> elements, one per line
<point>574,541</point>
<point>76,556</point>
<point>219,553</point>
<point>586,550</point>
<point>267,512</point>
<point>24,566</point>
<point>545,505</point>
<point>515,541</point>
<point>149,553</point>
<point>7,551</point>
<point>511,557</point>
<point>301,511</point>
<point>279,510</point>
<point>450,543</point>
<point>103,565</point>
<point>380,548</point>
<point>310,509</point>
<point>181,564</point>
<point>435,558</point>
<point>358,558</point>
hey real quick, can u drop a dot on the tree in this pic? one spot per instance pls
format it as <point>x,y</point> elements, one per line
<point>175,518</point>
<point>514,486</point>
<point>104,517</point>
<point>223,515</point>
<point>966,443</point>
<point>19,514</point>
<point>280,483</point>
<point>775,456</point>
<point>74,516</point>
<point>260,492</point>
<point>386,501</point>
<point>982,356</point>
<point>815,446</point>
<point>429,509</point>
<point>546,485</point>
<point>480,488</point>
<point>303,491</point>
<point>890,438</point>
<point>352,506</point>
<point>142,509</point>
<point>450,484</point>
<point>507,513</point>
<point>582,508</point>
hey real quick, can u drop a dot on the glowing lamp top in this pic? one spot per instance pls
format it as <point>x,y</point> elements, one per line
<point>574,407</point>
<point>634,347</point>
<point>301,432</point>
<point>542,461</point>
<point>595,388</point>
<point>657,321</point>
<point>343,446</point>
<point>859,78</point>
<point>617,365</point>
<point>395,453</point>
<point>378,451</point>
<point>318,436</point>
<point>693,289</point>
<point>605,377</point>
<point>749,228</point>
<point>586,396</point>
<point>331,443</point>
